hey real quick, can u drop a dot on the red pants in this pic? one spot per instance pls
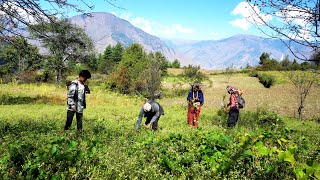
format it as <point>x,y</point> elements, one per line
<point>193,116</point>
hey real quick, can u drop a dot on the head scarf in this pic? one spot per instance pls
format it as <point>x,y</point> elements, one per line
<point>231,89</point>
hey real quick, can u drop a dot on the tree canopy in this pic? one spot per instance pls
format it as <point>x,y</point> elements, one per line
<point>68,43</point>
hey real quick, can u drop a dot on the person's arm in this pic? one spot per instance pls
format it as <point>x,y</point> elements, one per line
<point>189,98</point>
<point>229,101</point>
<point>201,98</point>
<point>139,119</point>
<point>70,97</point>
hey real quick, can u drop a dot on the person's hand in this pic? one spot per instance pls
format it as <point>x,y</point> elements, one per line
<point>148,126</point>
<point>73,108</point>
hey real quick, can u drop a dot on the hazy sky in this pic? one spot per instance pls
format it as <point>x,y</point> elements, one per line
<point>186,19</point>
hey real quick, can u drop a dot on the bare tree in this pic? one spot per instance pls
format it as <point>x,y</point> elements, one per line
<point>17,15</point>
<point>229,71</point>
<point>291,21</point>
<point>303,82</point>
<point>154,76</point>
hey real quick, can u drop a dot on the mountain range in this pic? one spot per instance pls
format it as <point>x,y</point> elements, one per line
<point>239,50</point>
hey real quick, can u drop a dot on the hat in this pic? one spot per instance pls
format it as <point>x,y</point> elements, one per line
<point>147,107</point>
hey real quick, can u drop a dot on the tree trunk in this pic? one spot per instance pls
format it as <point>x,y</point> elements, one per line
<point>301,107</point>
<point>59,76</point>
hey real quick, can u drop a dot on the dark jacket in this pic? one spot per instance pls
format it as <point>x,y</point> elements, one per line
<point>156,111</point>
<point>196,95</point>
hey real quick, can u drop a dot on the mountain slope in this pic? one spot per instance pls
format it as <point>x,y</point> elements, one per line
<point>238,50</point>
<point>105,28</point>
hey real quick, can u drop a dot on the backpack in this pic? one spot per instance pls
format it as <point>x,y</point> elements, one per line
<point>241,102</point>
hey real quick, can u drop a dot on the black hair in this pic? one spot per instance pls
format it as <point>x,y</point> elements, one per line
<point>85,73</point>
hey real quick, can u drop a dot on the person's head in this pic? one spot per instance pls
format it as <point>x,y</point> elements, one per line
<point>230,89</point>
<point>196,87</point>
<point>84,75</point>
<point>147,107</point>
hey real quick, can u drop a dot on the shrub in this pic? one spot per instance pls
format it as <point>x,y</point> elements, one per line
<point>253,73</point>
<point>261,119</point>
<point>177,90</point>
<point>192,74</point>
<point>119,81</point>
<point>139,72</point>
<point>266,80</point>
<point>269,119</point>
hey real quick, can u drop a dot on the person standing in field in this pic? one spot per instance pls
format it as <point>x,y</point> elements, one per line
<point>152,111</point>
<point>76,99</point>
<point>233,114</point>
<point>195,101</point>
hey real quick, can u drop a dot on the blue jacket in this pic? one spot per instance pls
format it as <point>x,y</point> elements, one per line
<point>195,95</point>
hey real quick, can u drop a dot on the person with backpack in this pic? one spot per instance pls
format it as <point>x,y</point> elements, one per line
<point>76,99</point>
<point>152,110</point>
<point>195,101</point>
<point>235,102</point>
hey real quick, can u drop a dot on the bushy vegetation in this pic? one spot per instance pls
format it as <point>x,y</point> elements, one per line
<point>18,59</point>
<point>192,74</point>
<point>263,145</point>
<point>266,80</point>
<point>267,63</point>
<point>138,72</point>
<point>68,48</point>
<point>111,57</point>
<point>174,64</point>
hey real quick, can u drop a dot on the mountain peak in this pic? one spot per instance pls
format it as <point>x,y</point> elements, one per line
<point>107,29</point>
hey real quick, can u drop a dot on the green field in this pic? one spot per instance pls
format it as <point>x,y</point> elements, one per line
<point>264,145</point>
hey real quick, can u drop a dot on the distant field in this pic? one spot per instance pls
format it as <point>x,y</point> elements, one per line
<point>33,143</point>
<point>174,71</point>
<point>280,98</point>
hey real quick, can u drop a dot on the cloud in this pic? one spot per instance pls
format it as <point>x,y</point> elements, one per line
<point>299,18</point>
<point>143,24</point>
<point>243,23</point>
<point>125,16</point>
<point>114,13</point>
<point>296,15</point>
<point>155,28</point>
<point>250,14</point>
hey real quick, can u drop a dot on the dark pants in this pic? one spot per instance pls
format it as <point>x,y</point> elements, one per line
<point>154,124</point>
<point>70,115</point>
<point>233,117</point>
